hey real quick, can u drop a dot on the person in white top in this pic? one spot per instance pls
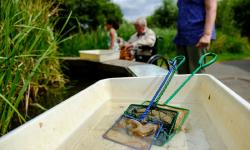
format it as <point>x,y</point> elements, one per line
<point>112,26</point>
<point>143,36</point>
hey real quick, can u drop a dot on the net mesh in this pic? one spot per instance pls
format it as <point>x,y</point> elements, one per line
<point>182,114</point>
<point>156,114</point>
<point>158,127</point>
<point>171,117</point>
<point>133,133</point>
<point>141,134</point>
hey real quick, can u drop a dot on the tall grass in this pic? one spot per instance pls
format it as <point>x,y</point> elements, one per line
<point>84,41</point>
<point>28,63</point>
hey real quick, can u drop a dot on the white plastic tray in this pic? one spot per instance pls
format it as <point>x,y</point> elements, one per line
<point>99,55</point>
<point>219,118</point>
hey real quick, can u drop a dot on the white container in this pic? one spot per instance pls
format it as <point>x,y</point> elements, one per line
<point>219,118</point>
<point>99,55</point>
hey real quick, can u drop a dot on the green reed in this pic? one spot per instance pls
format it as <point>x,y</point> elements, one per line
<point>28,58</point>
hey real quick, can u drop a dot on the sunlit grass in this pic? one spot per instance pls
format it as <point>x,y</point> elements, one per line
<point>28,58</point>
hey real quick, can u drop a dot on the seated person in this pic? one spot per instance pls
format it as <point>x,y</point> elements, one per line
<point>141,42</point>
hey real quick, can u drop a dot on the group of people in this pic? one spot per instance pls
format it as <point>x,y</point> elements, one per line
<point>144,37</point>
<point>195,30</point>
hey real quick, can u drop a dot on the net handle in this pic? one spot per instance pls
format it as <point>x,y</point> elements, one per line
<point>181,60</point>
<point>164,83</point>
<point>202,65</point>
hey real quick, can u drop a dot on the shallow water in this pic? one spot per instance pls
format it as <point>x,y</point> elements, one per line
<point>198,132</point>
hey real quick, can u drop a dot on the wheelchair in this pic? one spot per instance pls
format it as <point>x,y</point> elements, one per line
<point>149,55</point>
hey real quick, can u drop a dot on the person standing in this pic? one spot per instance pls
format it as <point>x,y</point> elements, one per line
<point>195,30</point>
<point>112,26</point>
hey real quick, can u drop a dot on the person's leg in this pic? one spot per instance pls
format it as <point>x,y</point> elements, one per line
<point>194,56</point>
<point>184,68</point>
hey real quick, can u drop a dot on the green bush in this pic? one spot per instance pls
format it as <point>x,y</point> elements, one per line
<point>126,30</point>
<point>241,16</point>
<point>166,46</point>
<point>164,16</point>
<point>233,16</point>
<point>87,14</point>
<point>225,20</point>
<point>226,43</point>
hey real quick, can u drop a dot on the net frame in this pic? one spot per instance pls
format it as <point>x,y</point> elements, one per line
<point>183,114</point>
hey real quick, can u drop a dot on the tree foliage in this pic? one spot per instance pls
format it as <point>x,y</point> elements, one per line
<point>233,16</point>
<point>88,14</point>
<point>241,16</point>
<point>224,18</point>
<point>164,16</point>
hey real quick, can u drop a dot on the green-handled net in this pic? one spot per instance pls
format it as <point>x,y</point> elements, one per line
<point>141,125</point>
<point>183,113</point>
<point>166,135</point>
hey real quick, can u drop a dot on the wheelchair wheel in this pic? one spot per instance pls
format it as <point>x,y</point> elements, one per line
<point>159,60</point>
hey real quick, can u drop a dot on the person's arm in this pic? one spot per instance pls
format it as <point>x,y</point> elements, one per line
<point>210,8</point>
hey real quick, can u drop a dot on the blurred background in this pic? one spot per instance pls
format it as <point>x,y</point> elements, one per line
<point>231,25</point>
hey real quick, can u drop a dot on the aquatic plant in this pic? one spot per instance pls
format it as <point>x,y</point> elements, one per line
<point>28,58</point>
